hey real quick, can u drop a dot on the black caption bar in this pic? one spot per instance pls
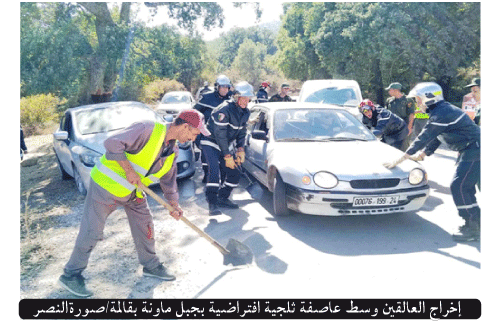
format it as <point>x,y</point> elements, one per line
<point>250,309</point>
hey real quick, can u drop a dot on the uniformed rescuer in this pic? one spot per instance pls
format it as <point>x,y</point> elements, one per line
<point>384,124</point>
<point>451,125</point>
<point>227,126</point>
<point>209,102</point>
<point>144,153</point>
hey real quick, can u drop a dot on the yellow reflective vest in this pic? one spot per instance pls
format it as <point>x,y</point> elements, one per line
<point>110,175</point>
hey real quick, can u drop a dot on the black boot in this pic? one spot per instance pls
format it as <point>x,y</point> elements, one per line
<point>225,202</point>
<point>468,232</point>
<point>213,210</point>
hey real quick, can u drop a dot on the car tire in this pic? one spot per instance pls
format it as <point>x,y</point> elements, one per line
<point>80,186</point>
<point>279,197</point>
<point>64,175</point>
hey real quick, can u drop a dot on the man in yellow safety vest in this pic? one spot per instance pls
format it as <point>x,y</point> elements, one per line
<point>143,153</point>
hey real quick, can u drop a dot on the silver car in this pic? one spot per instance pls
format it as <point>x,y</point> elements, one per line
<point>79,140</point>
<point>319,159</point>
<point>175,102</point>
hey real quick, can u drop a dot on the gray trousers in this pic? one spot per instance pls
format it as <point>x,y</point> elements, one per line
<point>96,210</point>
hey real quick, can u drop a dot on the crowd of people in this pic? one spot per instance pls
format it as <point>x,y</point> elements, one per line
<point>146,152</point>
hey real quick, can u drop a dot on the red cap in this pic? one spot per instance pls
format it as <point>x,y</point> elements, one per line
<point>265,84</point>
<point>195,119</point>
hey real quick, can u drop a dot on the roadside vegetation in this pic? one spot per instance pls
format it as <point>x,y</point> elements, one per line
<point>98,49</point>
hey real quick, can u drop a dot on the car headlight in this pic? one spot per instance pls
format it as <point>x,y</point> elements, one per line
<point>90,159</point>
<point>325,180</point>
<point>416,176</point>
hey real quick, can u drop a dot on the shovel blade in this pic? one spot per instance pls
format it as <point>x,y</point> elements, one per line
<point>239,254</point>
<point>255,190</point>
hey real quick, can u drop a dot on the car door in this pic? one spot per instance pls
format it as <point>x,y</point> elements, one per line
<point>259,146</point>
<point>64,150</point>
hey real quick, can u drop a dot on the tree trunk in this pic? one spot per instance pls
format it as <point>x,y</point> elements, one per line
<point>103,63</point>
<point>377,82</point>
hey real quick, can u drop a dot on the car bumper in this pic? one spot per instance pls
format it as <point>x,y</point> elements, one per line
<point>341,203</point>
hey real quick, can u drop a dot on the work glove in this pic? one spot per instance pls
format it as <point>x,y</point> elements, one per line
<point>418,157</point>
<point>240,156</point>
<point>230,161</point>
<point>391,165</point>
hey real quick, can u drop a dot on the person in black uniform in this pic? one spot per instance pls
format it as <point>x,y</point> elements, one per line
<point>451,125</point>
<point>384,124</point>
<point>263,92</point>
<point>227,126</point>
<point>207,103</point>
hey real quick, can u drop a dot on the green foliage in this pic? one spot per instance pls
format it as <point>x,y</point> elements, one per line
<point>38,110</point>
<point>229,43</point>
<point>377,43</point>
<point>53,51</point>
<point>154,91</point>
<point>162,52</point>
<point>249,62</point>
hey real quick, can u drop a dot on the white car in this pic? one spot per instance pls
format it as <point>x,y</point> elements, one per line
<point>319,159</point>
<point>345,93</point>
<point>174,102</point>
<point>79,140</point>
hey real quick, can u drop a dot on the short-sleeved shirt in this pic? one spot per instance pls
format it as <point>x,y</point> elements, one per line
<point>402,107</point>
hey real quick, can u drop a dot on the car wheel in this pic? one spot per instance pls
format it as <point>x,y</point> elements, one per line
<point>65,175</point>
<point>80,186</point>
<point>279,197</point>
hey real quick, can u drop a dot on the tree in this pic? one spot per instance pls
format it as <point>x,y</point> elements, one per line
<point>377,43</point>
<point>100,30</point>
<point>229,43</point>
<point>249,62</point>
<point>296,56</point>
<point>59,67</point>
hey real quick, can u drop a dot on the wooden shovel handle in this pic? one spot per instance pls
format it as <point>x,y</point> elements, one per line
<point>182,218</point>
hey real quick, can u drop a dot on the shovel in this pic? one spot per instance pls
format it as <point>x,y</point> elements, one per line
<point>236,253</point>
<point>254,189</point>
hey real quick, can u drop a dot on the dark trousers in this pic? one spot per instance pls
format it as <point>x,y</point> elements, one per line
<point>221,179</point>
<point>463,189</point>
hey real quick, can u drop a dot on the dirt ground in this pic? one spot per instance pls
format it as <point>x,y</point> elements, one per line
<point>50,214</point>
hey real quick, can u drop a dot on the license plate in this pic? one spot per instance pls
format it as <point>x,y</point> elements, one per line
<point>375,201</point>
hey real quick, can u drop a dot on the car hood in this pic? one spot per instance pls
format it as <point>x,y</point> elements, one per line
<point>95,142</point>
<point>343,158</point>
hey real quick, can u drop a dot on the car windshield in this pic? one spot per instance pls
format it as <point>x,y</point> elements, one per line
<point>334,95</point>
<point>318,125</point>
<point>111,118</point>
<point>175,98</point>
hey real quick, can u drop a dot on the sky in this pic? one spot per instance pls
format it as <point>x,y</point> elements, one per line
<point>234,17</point>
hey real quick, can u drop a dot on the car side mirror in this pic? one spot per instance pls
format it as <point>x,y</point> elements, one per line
<point>61,135</point>
<point>259,134</point>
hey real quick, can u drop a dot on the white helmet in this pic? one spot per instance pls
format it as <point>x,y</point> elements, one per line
<point>243,89</point>
<point>430,93</point>
<point>223,81</point>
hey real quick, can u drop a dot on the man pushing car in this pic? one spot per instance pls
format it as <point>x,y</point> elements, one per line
<point>450,125</point>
